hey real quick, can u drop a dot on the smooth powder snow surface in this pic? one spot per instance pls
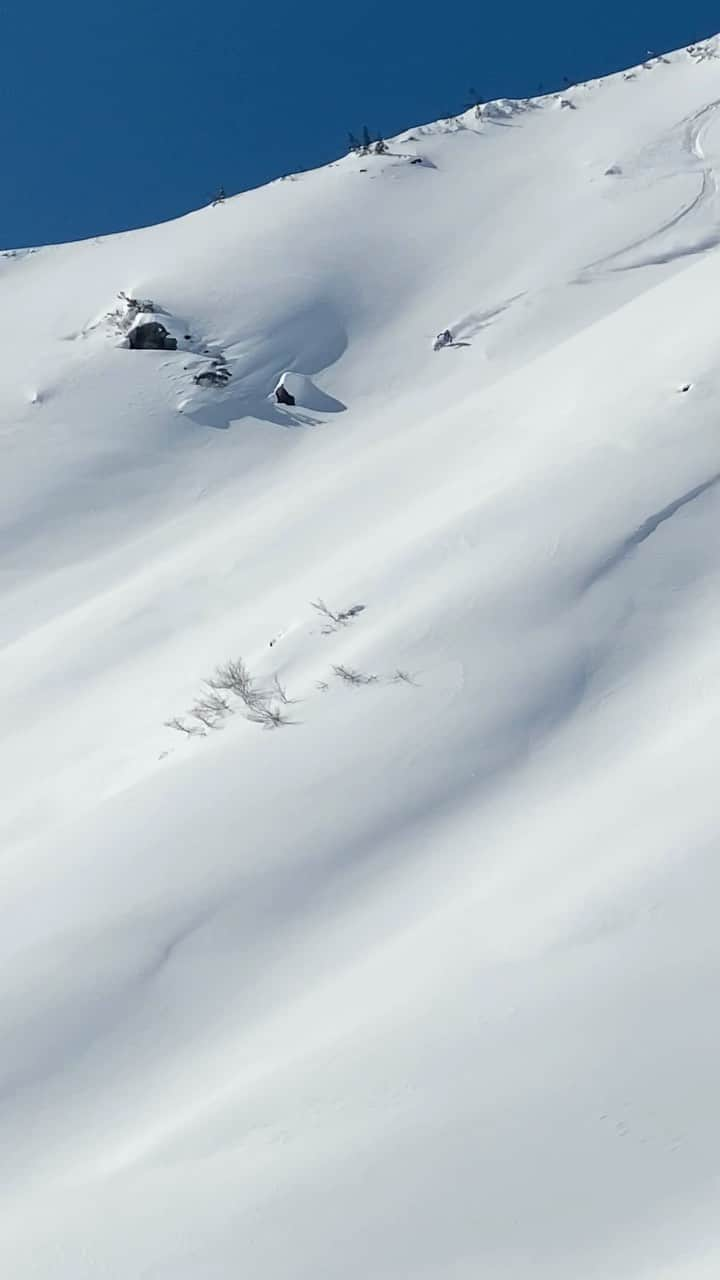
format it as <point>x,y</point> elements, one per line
<point>423,984</point>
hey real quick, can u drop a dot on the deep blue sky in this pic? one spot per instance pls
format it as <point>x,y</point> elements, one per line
<point>116,113</point>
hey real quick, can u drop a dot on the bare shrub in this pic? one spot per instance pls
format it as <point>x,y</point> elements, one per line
<point>128,309</point>
<point>192,730</point>
<point>266,707</point>
<point>234,677</point>
<point>268,715</point>
<point>350,676</point>
<point>215,703</point>
<point>210,709</point>
<point>203,716</point>
<point>334,621</point>
<point>280,692</point>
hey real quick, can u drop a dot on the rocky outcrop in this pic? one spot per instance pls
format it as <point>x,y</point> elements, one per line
<point>217,375</point>
<point>299,389</point>
<point>283,396</point>
<point>151,336</point>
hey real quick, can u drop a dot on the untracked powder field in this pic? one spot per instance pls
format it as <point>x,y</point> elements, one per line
<point>360,689</point>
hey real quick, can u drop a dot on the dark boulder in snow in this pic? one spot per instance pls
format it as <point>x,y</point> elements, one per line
<point>151,336</point>
<point>217,376</point>
<point>282,395</point>
<point>299,389</point>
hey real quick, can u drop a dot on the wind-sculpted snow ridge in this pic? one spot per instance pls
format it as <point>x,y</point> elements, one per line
<point>416,466</point>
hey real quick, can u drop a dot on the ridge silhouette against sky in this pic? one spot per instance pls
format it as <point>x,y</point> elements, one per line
<point>115,116</point>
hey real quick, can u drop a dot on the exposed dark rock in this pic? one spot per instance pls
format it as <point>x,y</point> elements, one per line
<point>283,396</point>
<point>151,336</point>
<point>293,388</point>
<point>217,376</point>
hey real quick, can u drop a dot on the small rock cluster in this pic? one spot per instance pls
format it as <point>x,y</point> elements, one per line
<point>216,375</point>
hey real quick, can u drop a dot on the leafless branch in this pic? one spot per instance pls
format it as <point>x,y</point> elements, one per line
<point>206,717</point>
<point>192,730</point>
<point>234,677</point>
<point>215,703</point>
<point>270,717</point>
<point>404,677</point>
<point>262,706</point>
<point>351,676</point>
<point>335,620</point>
<point>281,692</point>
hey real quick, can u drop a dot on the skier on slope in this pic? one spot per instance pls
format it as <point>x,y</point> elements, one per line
<point>443,339</point>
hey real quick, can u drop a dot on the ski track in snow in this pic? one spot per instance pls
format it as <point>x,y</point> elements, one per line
<point>704,201</point>
<point>651,525</point>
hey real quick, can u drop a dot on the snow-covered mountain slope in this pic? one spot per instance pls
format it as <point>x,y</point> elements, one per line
<point>423,983</point>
